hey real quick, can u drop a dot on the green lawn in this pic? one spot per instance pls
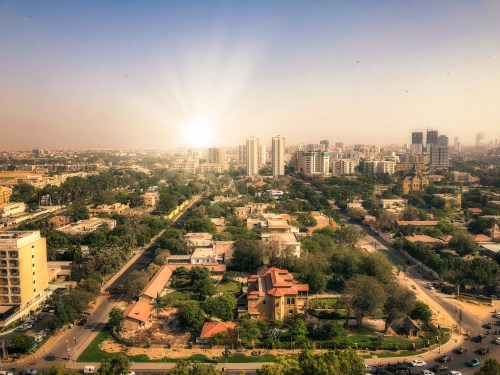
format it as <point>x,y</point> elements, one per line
<point>93,352</point>
<point>230,287</point>
<point>324,303</point>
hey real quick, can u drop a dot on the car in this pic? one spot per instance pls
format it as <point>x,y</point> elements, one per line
<point>418,363</point>
<point>480,338</point>
<point>431,287</point>
<point>483,351</point>
<point>497,341</point>
<point>474,362</point>
<point>445,358</point>
<point>462,350</point>
<point>6,373</point>
<point>439,368</point>
<point>427,372</point>
<point>497,314</point>
<point>497,332</point>
<point>453,372</point>
<point>488,325</point>
<point>367,367</point>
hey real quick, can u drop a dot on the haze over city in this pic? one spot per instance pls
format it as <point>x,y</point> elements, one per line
<point>196,74</point>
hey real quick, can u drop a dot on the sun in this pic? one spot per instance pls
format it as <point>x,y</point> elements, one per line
<point>198,133</point>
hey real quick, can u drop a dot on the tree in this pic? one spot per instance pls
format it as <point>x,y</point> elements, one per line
<point>412,213</point>
<point>315,279</point>
<point>365,297</point>
<point>247,255</point>
<point>463,243</point>
<point>399,304</point>
<point>377,265</point>
<point>491,367</point>
<point>356,214</point>
<point>116,319</point>
<point>184,367</point>
<point>205,287</point>
<point>219,338</point>
<point>78,211</point>
<point>221,307</point>
<point>61,370</point>
<point>248,332</point>
<point>22,343</point>
<point>421,312</point>
<point>297,328</point>
<point>136,283</point>
<point>192,315</point>
<point>307,220</point>
<point>118,364</point>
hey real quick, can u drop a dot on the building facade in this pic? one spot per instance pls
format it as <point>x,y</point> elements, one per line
<point>23,268</point>
<point>278,156</point>
<point>252,156</point>
<point>5,193</point>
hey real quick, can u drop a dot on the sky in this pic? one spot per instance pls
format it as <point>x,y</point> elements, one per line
<point>163,74</point>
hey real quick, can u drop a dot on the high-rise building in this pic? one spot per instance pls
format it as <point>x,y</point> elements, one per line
<point>339,145</point>
<point>278,156</point>
<point>313,163</point>
<point>242,154</point>
<point>252,156</point>
<point>344,167</point>
<point>23,268</point>
<point>217,156</point>
<point>432,137</point>
<point>325,143</point>
<point>262,155</point>
<point>439,154</point>
<point>417,140</point>
<point>479,139</point>
<point>380,166</point>
<point>456,144</point>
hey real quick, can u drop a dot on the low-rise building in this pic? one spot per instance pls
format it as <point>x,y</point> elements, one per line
<point>109,209</point>
<point>414,182</point>
<point>273,294</point>
<point>212,328</point>
<point>138,315</point>
<point>87,226</point>
<point>462,177</point>
<point>11,209</point>
<point>150,199</point>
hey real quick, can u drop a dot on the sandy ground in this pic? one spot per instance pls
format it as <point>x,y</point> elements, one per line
<point>159,353</point>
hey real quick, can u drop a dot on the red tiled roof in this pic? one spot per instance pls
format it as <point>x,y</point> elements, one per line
<point>211,328</point>
<point>422,238</point>
<point>482,238</point>
<point>139,311</point>
<point>280,292</point>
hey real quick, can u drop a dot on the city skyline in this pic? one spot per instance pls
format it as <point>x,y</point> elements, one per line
<point>120,75</point>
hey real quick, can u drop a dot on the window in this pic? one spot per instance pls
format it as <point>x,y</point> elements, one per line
<point>288,301</point>
<point>263,302</point>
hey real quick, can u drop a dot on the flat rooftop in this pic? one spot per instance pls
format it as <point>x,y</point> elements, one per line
<point>8,236</point>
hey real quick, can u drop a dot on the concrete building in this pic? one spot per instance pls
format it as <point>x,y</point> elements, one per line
<point>87,226</point>
<point>417,140</point>
<point>479,139</point>
<point>187,165</point>
<point>5,193</point>
<point>242,154</point>
<point>11,209</point>
<point>278,156</point>
<point>414,182</point>
<point>23,272</point>
<point>431,138</point>
<point>462,177</point>
<point>273,294</point>
<point>325,145</point>
<point>252,156</point>
<point>313,163</point>
<point>439,154</point>
<point>262,155</point>
<point>217,155</point>
<point>151,199</point>
<point>344,167</point>
<point>380,166</point>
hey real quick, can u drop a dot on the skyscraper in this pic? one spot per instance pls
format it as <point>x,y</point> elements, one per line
<point>326,144</point>
<point>439,153</point>
<point>217,155</point>
<point>417,140</point>
<point>278,156</point>
<point>432,137</point>
<point>262,155</point>
<point>252,156</point>
<point>479,139</point>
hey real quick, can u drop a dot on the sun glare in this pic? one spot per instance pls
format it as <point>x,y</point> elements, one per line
<point>198,133</point>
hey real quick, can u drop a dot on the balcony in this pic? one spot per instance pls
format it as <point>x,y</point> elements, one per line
<point>4,299</point>
<point>4,290</point>
<point>13,263</point>
<point>4,281</point>
<point>14,281</point>
<point>14,272</point>
<point>3,254</point>
<point>13,254</point>
<point>15,290</point>
<point>16,299</point>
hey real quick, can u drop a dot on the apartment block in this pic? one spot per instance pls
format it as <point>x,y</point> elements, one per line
<point>344,167</point>
<point>87,226</point>
<point>23,268</point>
<point>253,150</point>
<point>278,156</point>
<point>217,156</point>
<point>11,209</point>
<point>380,166</point>
<point>313,163</point>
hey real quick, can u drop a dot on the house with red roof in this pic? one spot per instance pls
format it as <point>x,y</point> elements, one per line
<point>212,328</point>
<point>138,315</point>
<point>274,294</point>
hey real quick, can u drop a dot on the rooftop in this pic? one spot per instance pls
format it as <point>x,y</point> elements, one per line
<point>139,311</point>
<point>212,328</point>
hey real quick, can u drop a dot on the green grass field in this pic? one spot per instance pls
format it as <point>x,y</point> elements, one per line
<point>230,287</point>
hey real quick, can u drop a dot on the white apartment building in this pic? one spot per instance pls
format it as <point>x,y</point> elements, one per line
<point>187,165</point>
<point>344,167</point>
<point>252,156</point>
<point>380,166</point>
<point>313,163</point>
<point>217,155</point>
<point>278,156</point>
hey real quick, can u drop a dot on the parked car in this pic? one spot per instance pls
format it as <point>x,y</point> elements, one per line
<point>483,351</point>
<point>455,372</point>
<point>497,341</point>
<point>445,358</point>
<point>480,338</point>
<point>439,368</point>
<point>462,350</point>
<point>431,287</point>
<point>474,362</point>
<point>427,372</point>
<point>418,363</point>
<point>488,325</point>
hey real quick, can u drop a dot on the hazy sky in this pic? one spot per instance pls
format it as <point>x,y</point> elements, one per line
<point>154,74</point>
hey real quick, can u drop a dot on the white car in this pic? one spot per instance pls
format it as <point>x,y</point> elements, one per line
<point>430,287</point>
<point>427,372</point>
<point>367,368</point>
<point>455,373</point>
<point>418,363</point>
<point>497,341</point>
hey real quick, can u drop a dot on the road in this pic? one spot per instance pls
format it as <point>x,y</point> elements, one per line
<point>469,322</point>
<point>74,340</point>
